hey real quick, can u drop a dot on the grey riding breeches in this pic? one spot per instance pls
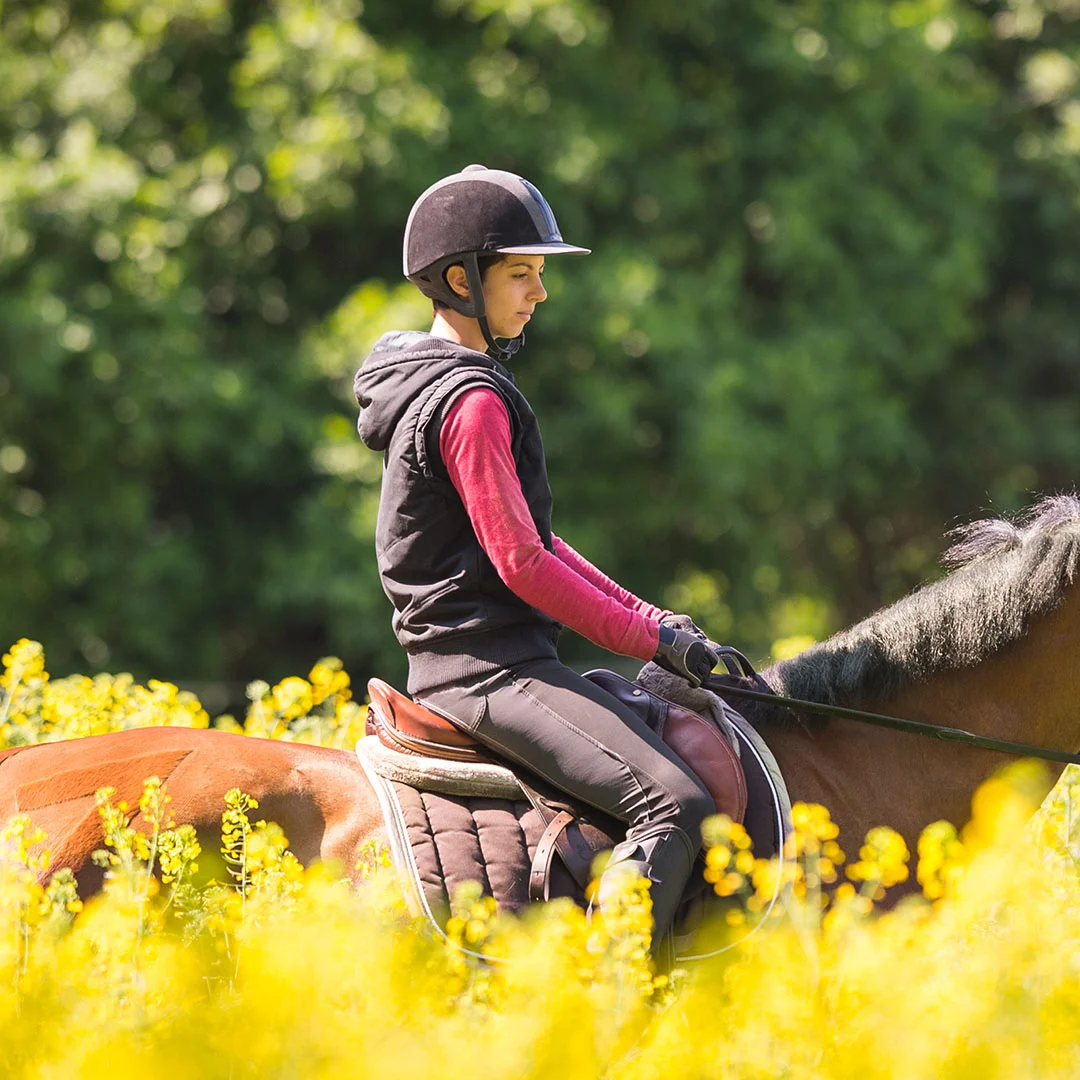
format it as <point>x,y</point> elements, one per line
<point>583,741</point>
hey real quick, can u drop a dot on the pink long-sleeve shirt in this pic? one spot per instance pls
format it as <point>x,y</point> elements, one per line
<point>476,450</point>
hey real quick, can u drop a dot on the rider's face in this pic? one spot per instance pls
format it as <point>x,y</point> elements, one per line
<point>512,289</point>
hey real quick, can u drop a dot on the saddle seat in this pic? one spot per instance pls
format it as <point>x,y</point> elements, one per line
<point>403,725</point>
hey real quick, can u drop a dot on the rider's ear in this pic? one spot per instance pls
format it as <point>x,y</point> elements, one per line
<point>456,279</point>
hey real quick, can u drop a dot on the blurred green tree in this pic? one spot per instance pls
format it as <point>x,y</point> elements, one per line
<point>831,306</point>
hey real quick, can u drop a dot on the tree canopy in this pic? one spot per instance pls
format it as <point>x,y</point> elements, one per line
<point>831,308</point>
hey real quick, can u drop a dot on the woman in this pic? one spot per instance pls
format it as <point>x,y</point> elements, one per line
<point>479,582</point>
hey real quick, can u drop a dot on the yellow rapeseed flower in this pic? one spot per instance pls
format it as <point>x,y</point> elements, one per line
<point>157,974</point>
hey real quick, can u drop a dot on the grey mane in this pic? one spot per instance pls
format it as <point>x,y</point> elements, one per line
<point>1005,575</point>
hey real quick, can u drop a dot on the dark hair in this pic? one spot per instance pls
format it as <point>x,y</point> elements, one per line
<point>485,262</point>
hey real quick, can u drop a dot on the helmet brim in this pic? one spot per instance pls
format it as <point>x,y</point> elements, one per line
<point>553,248</point>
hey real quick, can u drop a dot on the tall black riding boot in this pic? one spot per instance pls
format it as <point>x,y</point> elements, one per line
<point>664,854</point>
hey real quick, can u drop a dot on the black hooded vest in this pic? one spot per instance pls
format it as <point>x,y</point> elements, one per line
<point>446,594</point>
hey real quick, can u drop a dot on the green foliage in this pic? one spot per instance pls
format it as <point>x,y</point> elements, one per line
<point>831,306</point>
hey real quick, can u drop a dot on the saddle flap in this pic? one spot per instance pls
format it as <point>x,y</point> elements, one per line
<point>707,752</point>
<point>402,724</point>
<point>697,740</point>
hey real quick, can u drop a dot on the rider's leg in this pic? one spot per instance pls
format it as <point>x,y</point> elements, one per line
<point>575,735</point>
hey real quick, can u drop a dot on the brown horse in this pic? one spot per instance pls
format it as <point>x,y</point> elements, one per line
<point>992,648</point>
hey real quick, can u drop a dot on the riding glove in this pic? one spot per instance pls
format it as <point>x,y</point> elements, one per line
<point>684,622</point>
<point>685,654</point>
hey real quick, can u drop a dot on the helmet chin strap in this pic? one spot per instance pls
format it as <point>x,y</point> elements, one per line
<point>495,350</point>
<point>478,312</point>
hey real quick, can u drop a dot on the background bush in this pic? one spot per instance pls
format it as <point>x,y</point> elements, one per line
<point>831,307</point>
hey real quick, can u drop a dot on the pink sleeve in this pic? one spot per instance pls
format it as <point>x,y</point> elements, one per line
<point>590,573</point>
<point>475,445</point>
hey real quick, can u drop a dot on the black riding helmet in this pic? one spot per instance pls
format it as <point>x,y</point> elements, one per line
<point>477,211</point>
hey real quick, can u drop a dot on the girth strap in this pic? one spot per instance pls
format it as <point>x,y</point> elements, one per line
<point>540,873</point>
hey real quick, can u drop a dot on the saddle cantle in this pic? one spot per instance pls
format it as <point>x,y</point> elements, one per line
<point>410,728</point>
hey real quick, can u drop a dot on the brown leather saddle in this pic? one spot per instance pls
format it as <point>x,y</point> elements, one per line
<point>409,728</point>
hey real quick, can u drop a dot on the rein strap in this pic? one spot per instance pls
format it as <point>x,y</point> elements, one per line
<point>948,734</point>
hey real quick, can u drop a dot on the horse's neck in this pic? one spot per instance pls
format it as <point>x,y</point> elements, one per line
<point>866,776</point>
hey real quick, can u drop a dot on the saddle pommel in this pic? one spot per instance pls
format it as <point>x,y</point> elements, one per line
<point>402,724</point>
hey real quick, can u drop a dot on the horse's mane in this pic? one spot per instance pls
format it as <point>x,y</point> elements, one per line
<point>1004,575</point>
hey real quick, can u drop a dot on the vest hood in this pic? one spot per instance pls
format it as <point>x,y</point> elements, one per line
<point>400,366</point>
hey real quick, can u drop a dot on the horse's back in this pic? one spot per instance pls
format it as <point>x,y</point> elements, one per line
<point>318,795</point>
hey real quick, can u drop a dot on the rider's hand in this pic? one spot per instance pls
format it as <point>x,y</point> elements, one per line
<point>685,654</point>
<point>684,622</point>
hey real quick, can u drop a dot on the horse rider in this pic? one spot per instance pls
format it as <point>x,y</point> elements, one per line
<point>481,585</point>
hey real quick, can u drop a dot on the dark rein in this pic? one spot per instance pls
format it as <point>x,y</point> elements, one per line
<point>734,660</point>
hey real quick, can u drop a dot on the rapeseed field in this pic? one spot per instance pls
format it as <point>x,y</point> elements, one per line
<point>272,970</point>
